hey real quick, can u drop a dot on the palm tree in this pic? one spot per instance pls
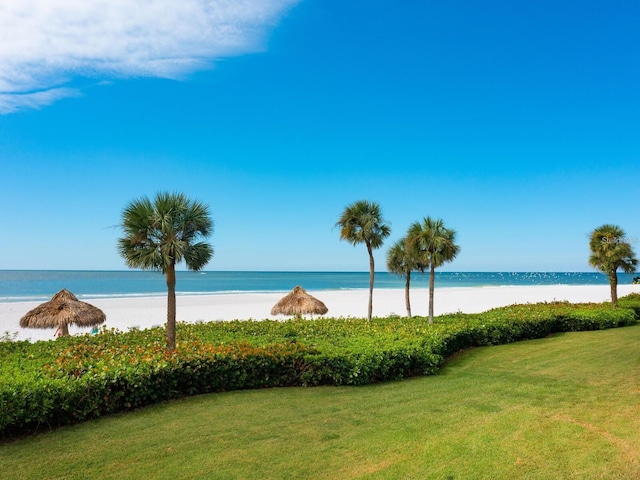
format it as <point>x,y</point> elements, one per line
<point>402,261</point>
<point>434,245</point>
<point>362,222</point>
<point>611,251</point>
<point>161,234</point>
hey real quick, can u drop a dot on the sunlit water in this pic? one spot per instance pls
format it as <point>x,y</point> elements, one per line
<point>21,285</point>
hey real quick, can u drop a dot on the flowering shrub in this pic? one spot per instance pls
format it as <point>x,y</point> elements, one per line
<point>46,384</point>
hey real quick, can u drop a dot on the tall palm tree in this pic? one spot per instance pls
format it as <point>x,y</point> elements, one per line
<point>434,245</point>
<point>362,222</point>
<point>401,260</point>
<point>611,251</point>
<point>162,233</point>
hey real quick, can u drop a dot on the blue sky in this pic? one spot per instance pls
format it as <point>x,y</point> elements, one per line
<point>516,122</point>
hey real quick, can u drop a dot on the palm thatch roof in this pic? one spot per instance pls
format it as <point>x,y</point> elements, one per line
<point>61,311</point>
<point>299,302</point>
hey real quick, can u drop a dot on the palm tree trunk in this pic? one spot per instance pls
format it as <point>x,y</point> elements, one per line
<point>371,273</point>
<point>171,307</point>
<point>613,282</point>
<point>432,275</point>
<point>407,299</point>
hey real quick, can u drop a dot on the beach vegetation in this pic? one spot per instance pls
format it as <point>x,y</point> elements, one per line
<point>8,336</point>
<point>401,260</point>
<point>564,406</point>
<point>362,222</point>
<point>433,245</point>
<point>632,301</point>
<point>160,234</point>
<point>73,379</point>
<point>611,251</point>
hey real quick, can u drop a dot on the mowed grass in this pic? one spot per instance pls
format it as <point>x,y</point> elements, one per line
<point>564,407</point>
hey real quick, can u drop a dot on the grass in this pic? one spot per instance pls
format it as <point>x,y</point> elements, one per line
<point>567,406</point>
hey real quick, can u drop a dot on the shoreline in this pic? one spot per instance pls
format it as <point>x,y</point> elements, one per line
<point>124,313</point>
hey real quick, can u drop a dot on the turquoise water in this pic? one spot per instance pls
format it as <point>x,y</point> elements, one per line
<point>27,285</point>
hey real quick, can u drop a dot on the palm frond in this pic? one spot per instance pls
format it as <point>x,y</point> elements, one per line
<point>610,250</point>
<point>196,256</point>
<point>161,233</point>
<point>432,242</point>
<point>402,259</point>
<point>362,222</point>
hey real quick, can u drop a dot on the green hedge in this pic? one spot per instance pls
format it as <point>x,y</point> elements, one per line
<point>631,301</point>
<point>48,384</point>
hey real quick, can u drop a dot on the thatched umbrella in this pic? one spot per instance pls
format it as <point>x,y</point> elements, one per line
<point>61,311</point>
<point>299,302</point>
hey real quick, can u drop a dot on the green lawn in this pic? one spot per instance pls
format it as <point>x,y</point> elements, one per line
<point>564,407</point>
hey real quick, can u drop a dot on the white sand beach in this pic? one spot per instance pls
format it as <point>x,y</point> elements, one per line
<point>144,312</point>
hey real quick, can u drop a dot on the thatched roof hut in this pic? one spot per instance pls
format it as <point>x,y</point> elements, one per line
<point>298,303</point>
<point>61,311</point>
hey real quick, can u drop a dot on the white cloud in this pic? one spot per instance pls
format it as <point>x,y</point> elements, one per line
<point>14,102</point>
<point>45,44</point>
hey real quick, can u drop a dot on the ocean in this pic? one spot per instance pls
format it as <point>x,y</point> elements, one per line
<point>41,285</point>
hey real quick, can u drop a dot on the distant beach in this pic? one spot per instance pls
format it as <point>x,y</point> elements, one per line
<point>143,310</point>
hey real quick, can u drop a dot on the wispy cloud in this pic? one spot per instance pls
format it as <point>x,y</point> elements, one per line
<point>14,102</point>
<point>45,44</point>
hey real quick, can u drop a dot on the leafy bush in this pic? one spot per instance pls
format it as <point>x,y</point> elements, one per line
<point>630,301</point>
<point>46,384</point>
